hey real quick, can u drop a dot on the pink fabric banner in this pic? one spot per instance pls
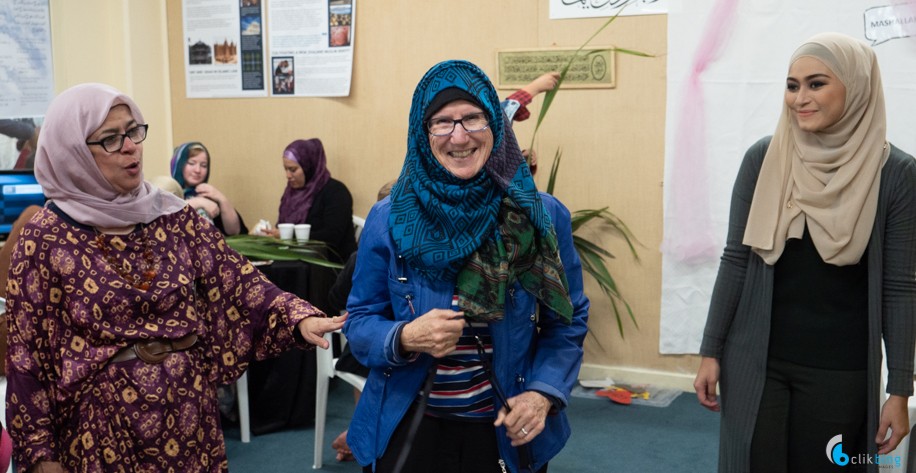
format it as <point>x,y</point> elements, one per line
<point>688,227</point>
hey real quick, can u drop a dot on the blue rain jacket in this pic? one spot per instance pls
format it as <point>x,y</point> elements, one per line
<point>530,352</point>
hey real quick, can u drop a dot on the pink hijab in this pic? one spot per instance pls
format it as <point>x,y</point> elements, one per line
<point>68,173</point>
<point>296,203</point>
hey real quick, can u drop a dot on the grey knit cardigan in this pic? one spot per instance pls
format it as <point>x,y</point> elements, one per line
<point>738,326</point>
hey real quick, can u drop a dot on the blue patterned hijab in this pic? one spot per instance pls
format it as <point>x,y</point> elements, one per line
<point>180,159</point>
<point>437,220</point>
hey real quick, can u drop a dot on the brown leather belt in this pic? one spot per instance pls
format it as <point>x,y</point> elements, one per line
<point>154,351</point>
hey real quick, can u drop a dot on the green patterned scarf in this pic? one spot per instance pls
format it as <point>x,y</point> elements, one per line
<point>517,252</point>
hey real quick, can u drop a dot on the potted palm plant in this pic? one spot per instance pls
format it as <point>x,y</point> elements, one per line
<point>593,255</point>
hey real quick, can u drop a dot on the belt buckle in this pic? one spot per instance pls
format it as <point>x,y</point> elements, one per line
<point>142,351</point>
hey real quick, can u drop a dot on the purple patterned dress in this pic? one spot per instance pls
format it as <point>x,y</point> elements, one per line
<point>71,311</point>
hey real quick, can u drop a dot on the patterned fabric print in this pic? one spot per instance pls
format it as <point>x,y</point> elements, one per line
<point>519,253</point>
<point>71,312</point>
<point>436,219</point>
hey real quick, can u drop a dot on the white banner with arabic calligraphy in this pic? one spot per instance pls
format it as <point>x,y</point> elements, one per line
<point>565,9</point>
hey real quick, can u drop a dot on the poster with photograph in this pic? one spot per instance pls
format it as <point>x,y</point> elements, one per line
<point>26,72</point>
<point>224,51</point>
<point>311,47</point>
<point>26,79</point>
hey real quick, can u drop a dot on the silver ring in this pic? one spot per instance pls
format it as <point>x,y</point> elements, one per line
<point>524,432</point>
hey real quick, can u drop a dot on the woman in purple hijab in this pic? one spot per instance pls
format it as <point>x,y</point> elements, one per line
<point>312,196</point>
<point>127,308</point>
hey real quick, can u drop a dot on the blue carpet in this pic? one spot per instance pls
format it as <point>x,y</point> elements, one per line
<point>606,437</point>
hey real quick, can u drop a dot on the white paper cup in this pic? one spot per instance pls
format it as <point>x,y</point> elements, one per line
<point>302,232</point>
<point>286,230</point>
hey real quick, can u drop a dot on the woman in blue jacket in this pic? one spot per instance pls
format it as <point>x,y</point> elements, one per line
<point>467,302</point>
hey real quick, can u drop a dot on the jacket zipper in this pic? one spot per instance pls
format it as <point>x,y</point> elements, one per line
<point>410,304</point>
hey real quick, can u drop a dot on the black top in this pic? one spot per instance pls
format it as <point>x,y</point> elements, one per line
<point>331,218</point>
<point>337,302</point>
<point>820,311</point>
<point>340,291</point>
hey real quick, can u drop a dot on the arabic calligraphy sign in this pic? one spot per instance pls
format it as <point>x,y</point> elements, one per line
<point>592,68</point>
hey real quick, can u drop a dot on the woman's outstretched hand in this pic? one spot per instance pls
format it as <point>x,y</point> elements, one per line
<point>543,83</point>
<point>314,328</point>
<point>705,383</point>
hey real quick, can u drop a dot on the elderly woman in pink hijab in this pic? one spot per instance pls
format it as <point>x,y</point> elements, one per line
<point>312,196</point>
<point>127,309</point>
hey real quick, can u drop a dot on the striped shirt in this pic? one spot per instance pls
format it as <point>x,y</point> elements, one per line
<point>462,387</point>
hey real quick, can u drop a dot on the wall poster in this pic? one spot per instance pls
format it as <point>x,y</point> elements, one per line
<point>26,78</point>
<point>277,48</point>
<point>311,47</point>
<point>224,48</point>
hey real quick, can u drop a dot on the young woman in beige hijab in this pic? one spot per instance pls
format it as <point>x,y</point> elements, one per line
<point>818,270</point>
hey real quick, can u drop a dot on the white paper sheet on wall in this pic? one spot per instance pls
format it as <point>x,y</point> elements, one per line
<point>564,9</point>
<point>224,48</point>
<point>311,47</point>
<point>26,70</point>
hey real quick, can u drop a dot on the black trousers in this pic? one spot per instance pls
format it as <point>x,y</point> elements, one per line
<point>802,409</point>
<point>443,446</point>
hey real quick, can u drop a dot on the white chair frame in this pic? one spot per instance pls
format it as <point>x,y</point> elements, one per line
<point>242,384</point>
<point>241,388</point>
<point>358,224</point>
<point>326,371</point>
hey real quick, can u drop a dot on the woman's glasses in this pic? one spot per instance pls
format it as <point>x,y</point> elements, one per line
<point>114,143</point>
<point>445,126</point>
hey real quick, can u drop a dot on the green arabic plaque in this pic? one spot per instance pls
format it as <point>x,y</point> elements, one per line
<point>592,68</point>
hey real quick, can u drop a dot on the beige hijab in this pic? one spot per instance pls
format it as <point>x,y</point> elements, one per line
<point>828,179</point>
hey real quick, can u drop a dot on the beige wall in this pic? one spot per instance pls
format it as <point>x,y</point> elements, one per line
<point>123,44</point>
<point>612,139</point>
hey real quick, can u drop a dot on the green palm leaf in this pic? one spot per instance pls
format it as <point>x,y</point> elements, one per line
<point>258,247</point>
<point>604,216</point>
<point>553,171</point>
<point>550,94</point>
<point>590,253</point>
<point>580,242</point>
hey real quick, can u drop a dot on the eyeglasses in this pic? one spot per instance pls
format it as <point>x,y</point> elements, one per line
<point>114,143</point>
<point>445,126</point>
